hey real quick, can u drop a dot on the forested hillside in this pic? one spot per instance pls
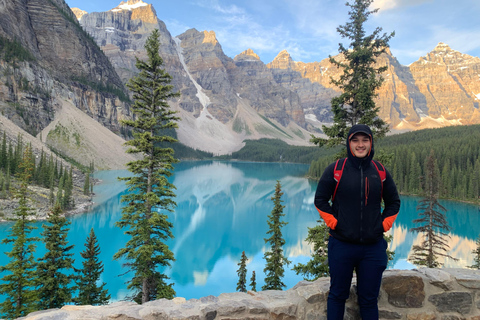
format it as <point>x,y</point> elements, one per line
<point>457,152</point>
<point>271,150</point>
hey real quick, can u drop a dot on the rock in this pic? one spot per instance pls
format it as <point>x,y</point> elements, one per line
<point>421,316</point>
<point>460,302</point>
<point>385,314</point>
<point>307,300</point>
<point>470,280</point>
<point>438,277</point>
<point>404,291</point>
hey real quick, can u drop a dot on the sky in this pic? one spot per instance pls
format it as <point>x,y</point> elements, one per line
<point>307,29</point>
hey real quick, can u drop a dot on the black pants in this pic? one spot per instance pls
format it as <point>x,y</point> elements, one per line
<point>369,261</point>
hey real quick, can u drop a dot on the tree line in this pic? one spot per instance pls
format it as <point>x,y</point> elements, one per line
<point>275,150</point>
<point>456,151</point>
<point>47,172</point>
<point>51,281</point>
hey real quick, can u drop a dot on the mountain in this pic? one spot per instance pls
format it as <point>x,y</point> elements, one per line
<point>439,89</point>
<point>49,64</point>
<point>83,60</point>
<point>223,100</point>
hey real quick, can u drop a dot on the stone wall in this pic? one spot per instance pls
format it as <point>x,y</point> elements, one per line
<point>423,294</point>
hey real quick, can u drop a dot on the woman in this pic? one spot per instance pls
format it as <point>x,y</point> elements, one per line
<point>349,199</point>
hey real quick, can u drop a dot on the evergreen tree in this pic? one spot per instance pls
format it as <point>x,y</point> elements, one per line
<point>242,273</point>
<point>38,177</point>
<point>17,156</point>
<point>360,77</point>
<point>318,266</point>
<point>150,193</point>
<point>11,160</point>
<point>414,175</point>
<point>56,174</point>
<point>476,254</point>
<point>51,195</point>
<point>253,282</point>
<point>67,199</point>
<point>18,286</point>
<point>59,197</point>
<point>275,258</point>
<point>390,254</point>
<point>55,268</point>
<point>6,187</point>
<point>86,185</point>
<point>3,152</point>
<point>432,221</point>
<point>89,291</point>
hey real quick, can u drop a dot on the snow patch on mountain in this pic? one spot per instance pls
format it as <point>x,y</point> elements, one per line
<point>129,5</point>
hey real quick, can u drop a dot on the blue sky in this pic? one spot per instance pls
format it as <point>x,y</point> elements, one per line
<point>307,28</point>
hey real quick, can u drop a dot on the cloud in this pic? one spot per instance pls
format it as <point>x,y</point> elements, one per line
<point>317,18</point>
<point>217,7</point>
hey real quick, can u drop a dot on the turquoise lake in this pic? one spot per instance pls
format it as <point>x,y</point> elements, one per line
<point>222,210</point>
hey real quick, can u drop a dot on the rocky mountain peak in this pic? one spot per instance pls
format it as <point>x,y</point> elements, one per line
<point>283,55</point>
<point>283,60</point>
<point>246,55</point>
<point>442,47</point>
<point>79,13</point>
<point>139,9</point>
<point>210,37</point>
<point>444,55</point>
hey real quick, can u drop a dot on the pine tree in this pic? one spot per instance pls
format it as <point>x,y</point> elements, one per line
<point>390,254</point>
<point>3,152</point>
<point>67,200</point>
<point>360,77</point>
<point>432,221</point>
<point>59,197</point>
<point>55,268</point>
<point>150,193</point>
<point>86,185</point>
<point>17,156</point>
<point>275,258</point>
<point>414,175</point>
<point>6,188</point>
<point>242,273</point>
<point>89,291</point>
<point>51,195</point>
<point>10,160</point>
<point>56,174</point>
<point>318,266</point>
<point>253,282</point>
<point>18,286</point>
<point>476,254</point>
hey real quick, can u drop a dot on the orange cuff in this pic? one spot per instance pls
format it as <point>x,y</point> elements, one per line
<point>388,222</point>
<point>329,219</point>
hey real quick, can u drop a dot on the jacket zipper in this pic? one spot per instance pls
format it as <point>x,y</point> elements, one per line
<point>361,202</point>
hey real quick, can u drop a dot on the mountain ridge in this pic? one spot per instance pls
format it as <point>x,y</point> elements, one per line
<point>225,100</point>
<point>406,100</point>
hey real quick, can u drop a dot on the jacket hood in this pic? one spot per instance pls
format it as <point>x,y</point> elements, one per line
<point>356,129</point>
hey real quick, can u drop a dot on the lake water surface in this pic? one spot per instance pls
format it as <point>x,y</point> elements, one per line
<point>222,210</point>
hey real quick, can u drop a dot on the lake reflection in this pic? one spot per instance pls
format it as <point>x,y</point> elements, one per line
<point>222,210</point>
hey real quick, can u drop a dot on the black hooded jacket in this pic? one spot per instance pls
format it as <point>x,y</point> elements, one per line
<point>356,213</point>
